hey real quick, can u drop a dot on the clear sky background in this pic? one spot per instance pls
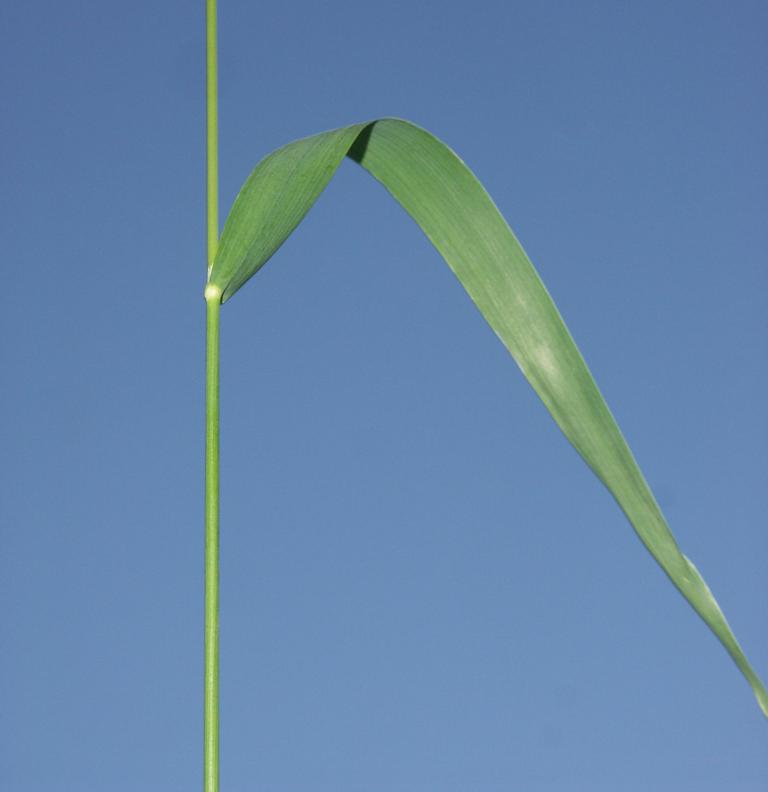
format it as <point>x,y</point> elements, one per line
<point>423,587</point>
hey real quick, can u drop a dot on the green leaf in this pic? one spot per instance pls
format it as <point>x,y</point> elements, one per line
<point>453,209</point>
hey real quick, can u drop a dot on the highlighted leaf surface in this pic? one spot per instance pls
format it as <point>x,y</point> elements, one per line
<point>453,209</point>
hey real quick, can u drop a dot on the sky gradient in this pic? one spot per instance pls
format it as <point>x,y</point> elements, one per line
<point>422,586</point>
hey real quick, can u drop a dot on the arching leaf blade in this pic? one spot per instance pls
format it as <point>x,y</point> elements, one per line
<point>274,199</point>
<point>455,212</point>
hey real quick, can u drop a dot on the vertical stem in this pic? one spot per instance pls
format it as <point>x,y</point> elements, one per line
<point>212,129</point>
<point>211,736</point>
<point>213,303</point>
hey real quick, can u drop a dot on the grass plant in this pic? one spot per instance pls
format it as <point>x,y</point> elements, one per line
<point>457,215</point>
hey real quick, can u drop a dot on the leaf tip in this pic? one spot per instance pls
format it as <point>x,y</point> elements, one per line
<point>762,699</point>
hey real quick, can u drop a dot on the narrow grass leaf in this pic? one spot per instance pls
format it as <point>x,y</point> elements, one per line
<point>456,213</point>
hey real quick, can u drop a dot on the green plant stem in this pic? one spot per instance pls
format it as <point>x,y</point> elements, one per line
<point>212,129</point>
<point>213,306</point>
<point>211,737</point>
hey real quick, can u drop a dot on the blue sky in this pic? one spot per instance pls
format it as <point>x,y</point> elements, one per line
<point>423,587</point>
